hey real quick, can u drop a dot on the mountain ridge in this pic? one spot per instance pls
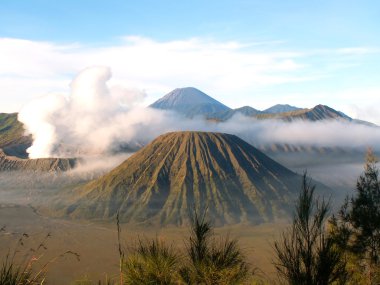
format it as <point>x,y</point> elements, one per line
<point>226,115</point>
<point>317,113</point>
<point>191,102</point>
<point>281,108</point>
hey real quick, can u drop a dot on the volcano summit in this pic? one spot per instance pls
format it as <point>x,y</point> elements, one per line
<point>178,171</point>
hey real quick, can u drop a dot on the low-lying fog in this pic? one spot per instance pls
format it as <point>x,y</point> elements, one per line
<point>338,172</point>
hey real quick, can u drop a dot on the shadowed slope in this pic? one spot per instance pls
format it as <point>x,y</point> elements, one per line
<point>163,181</point>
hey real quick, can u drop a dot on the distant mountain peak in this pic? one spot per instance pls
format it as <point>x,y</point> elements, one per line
<point>246,108</point>
<point>186,95</point>
<point>317,113</point>
<point>247,111</point>
<point>281,108</point>
<point>189,101</point>
<point>326,112</point>
<point>322,107</point>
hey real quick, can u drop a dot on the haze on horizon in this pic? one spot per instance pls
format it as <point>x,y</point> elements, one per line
<point>326,53</point>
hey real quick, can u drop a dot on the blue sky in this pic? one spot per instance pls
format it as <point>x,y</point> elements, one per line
<point>303,23</point>
<point>256,53</point>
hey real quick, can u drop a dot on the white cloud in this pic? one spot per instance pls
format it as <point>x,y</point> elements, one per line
<point>357,50</point>
<point>358,103</point>
<point>32,59</point>
<point>221,67</point>
<point>367,112</point>
<point>233,72</point>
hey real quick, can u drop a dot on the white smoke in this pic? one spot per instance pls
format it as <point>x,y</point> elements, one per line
<point>98,119</point>
<point>89,119</point>
<point>38,117</point>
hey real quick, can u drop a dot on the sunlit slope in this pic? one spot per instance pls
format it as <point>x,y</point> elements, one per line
<point>12,163</point>
<point>178,171</point>
<point>318,113</point>
<point>12,135</point>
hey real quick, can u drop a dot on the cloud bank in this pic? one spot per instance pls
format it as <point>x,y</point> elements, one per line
<point>99,118</point>
<point>259,74</point>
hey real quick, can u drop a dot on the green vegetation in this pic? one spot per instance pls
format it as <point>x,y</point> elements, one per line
<point>11,274</point>
<point>348,252</point>
<point>357,226</point>
<point>152,262</point>
<point>211,262</point>
<point>21,273</point>
<point>306,253</point>
<point>206,260</point>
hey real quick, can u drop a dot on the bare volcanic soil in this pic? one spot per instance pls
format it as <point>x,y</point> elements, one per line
<point>177,172</point>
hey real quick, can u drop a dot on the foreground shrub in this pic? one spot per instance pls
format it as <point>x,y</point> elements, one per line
<point>356,227</point>
<point>152,262</point>
<point>12,274</point>
<point>307,253</point>
<point>210,261</point>
<point>23,265</point>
